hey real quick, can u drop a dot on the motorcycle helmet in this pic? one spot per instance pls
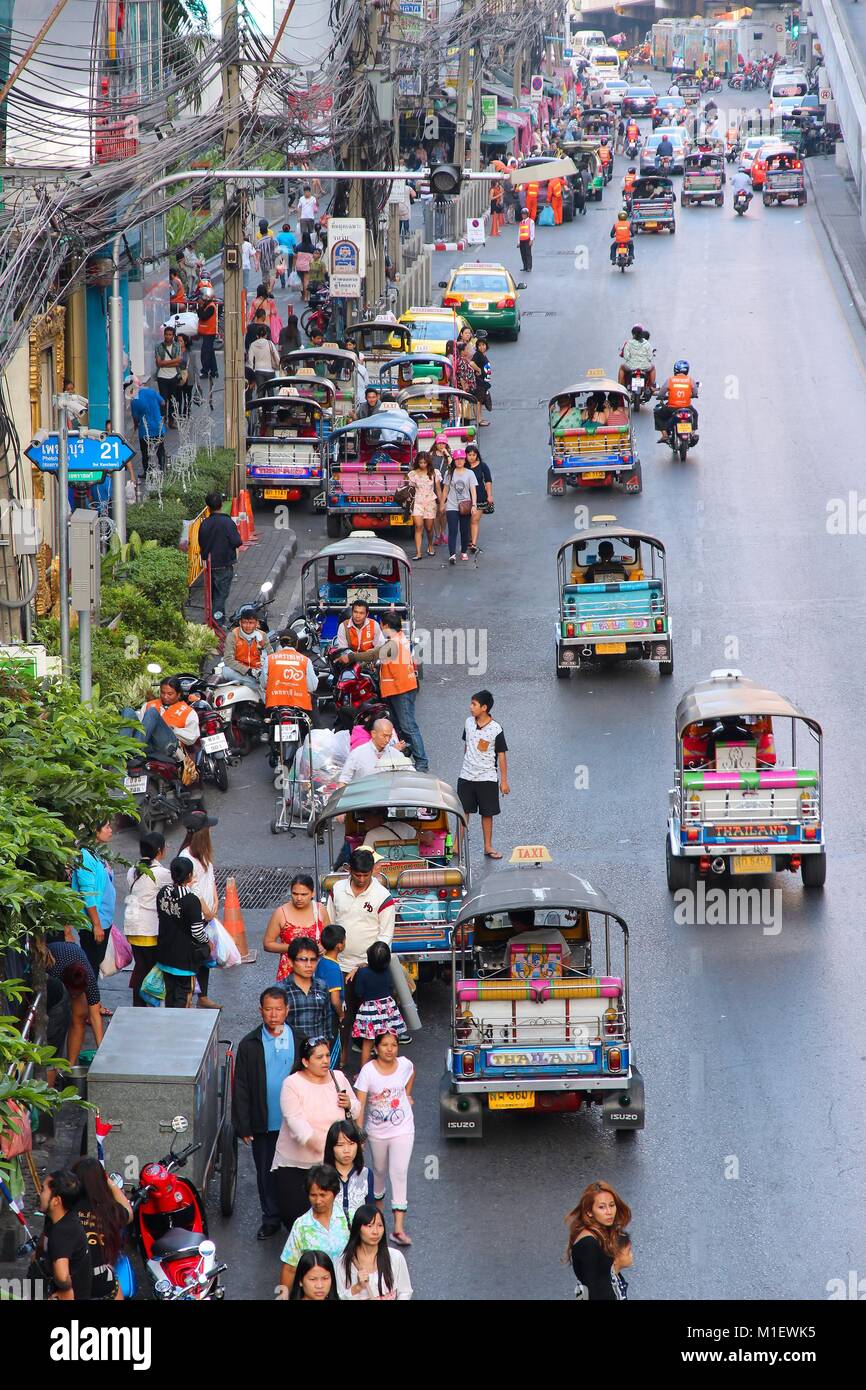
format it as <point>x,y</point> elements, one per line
<point>622,215</point>
<point>681,368</point>
<point>638,331</point>
<point>603,140</point>
<point>246,610</point>
<point>632,169</point>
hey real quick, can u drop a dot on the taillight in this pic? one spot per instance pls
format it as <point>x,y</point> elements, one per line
<point>660,625</point>
<point>507,303</point>
<point>614,1059</point>
<point>610,1017</point>
<point>693,834</point>
<point>704,865</point>
<point>795,863</point>
<point>452,300</point>
<point>467,1063</point>
<point>811,832</point>
<point>569,629</point>
<point>796,164</point>
<point>442,893</point>
<point>218,700</point>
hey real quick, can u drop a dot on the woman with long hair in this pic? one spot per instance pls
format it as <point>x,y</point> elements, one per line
<point>103,1212</point>
<point>315,1279</point>
<point>459,493</point>
<point>426,501</point>
<point>442,460</point>
<point>197,847</point>
<point>344,1150</point>
<point>367,1268</point>
<point>140,917</point>
<point>593,1226</point>
<point>302,916</point>
<point>483,492</point>
<point>311,1100</point>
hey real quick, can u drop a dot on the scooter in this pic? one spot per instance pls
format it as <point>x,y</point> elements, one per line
<point>354,684</point>
<point>681,434</point>
<point>170,1229</point>
<point>623,257</point>
<point>742,199</point>
<point>212,752</point>
<point>636,382</point>
<point>632,149</point>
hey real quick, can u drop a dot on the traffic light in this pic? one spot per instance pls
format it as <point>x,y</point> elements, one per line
<point>445,179</point>
<point>795,26</point>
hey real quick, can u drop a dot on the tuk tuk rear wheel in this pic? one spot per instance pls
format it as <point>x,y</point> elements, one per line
<point>334,526</point>
<point>766,201</point>
<point>681,872</point>
<point>228,1165</point>
<point>666,668</point>
<point>801,200</point>
<point>673,227</point>
<point>813,868</point>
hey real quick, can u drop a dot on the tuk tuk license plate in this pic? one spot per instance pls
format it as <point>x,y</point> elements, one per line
<point>511,1100</point>
<point>683,427</point>
<point>411,968</point>
<point>398,521</point>
<point>136,785</point>
<point>752,864</point>
<point>276,494</point>
<point>611,648</point>
<point>591,477</point>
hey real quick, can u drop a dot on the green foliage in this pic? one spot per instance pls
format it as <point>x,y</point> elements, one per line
<point>161,524</point>
<point>160,577</point>
<point>17,1053</point>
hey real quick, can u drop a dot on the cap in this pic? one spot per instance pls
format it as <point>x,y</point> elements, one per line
<point>198,820</point>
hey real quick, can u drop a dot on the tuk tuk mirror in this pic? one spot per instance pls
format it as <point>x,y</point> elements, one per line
<point>266,587</point>
<point>443,284</point>
<point>180,1124</point>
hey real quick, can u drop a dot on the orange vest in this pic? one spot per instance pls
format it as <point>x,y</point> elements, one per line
<point>207,326</point>
<point>248,652</point>
<point>604,154</point>
<point>622,233</point>
<point>398,675</point>
<point>361,639</point>
<point>554,189</point>
<point>632,132</point>
<point>628,182</point>
<point>287,680</point>
<point>679,392</point>
<point>532,191</point>
<point>174,715</point>
<point>176,291</point>
<point>524,231</point>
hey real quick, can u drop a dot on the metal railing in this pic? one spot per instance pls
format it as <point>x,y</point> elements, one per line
<point>717,805</point>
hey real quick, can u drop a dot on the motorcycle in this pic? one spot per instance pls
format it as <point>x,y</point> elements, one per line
<point>681,433</point>
<point>237,698</point>
<point>733,151</point>
<point>317,315</point>
<point>632,149</point>
<point>636,383</point>
<point>154,778</point>
<point>211,752</point>
<point>742,199</point>
<point>170,1230</point>
<point>623,257</point>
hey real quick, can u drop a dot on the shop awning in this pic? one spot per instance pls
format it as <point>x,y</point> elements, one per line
<point>502,135</point>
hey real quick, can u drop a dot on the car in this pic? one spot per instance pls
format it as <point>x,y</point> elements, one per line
<point>667,108</point>
<point>639,101</point>
<point>486,296</point>
<point>678,139</point>
<point>613,92</point>
<point>759,163</point>
<point>432,328</point>
<point>751,145</point>
<point>567,192</point>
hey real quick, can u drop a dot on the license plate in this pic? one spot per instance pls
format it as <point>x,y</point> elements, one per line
<point>286,733</point>
<point>362,595</point>
<point>651,224</point>
<point>411,968</point>
<point>136,785</point>
<point>683,427</point>
<point>511,1100</point>
<point>637,383</point>
<point>397,521</point>
<point>478,305</point>
<point>590,477</point>
<point>276,494</point>
<point>611,648</point>
<point>214,743</point>
<point>752,864</point>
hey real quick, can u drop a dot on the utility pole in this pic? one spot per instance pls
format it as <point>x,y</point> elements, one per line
<point>517,88</point>
<point>477,112</point>
<point>233,324</point>
<point>63,524</point>
<point>394,35</point>
<point>462,103</point>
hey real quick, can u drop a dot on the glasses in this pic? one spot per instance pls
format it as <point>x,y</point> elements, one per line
<point>306,960</point>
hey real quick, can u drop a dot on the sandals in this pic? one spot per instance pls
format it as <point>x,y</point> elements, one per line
<point>492,854</point>
<point>431,553</point>
<point>421,557</point>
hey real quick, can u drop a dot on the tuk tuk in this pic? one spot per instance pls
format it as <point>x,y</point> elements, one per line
<point>690,89</point>
<point>584,452</point>
<point>368,461</point>
<point>439,410</point>
<point>399,373</point>
<point>785,177</point>
<point>597,121</point>
<point>336,366</point>
<point>363,566</point>
<point>427,871</point>
<point>612,605</point>
<point>744,798</point>
<point>653,201</point>
<point>379,340</point>
<point>533,1026</point>
<point>286,448</point>
<point>584,155</point>
<point>703,178</point>
<point>312,387</point>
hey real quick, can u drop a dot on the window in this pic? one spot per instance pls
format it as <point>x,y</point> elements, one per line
<point>480,284</point>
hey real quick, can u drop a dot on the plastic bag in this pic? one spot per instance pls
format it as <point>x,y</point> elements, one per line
<point>224,952</point>
<point>152,987</point>
<point>109,962</point>
<point>294,281</point>
<point>546,217</point>
<point>17,1138</point>
<point>122,949</point>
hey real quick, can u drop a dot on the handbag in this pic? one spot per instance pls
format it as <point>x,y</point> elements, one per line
<point>122,949</point>
<point>152,987</point>
<point>405,497</point>
<point>464,508</point>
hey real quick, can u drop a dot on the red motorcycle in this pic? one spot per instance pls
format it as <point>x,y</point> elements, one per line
<point>354,684</point>
<point>170,1227</point>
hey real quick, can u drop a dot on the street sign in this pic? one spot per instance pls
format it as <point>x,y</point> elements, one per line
<point>89,458</point>
<point>475,231</point>
<point>347,242</point>
<point>536,86</point>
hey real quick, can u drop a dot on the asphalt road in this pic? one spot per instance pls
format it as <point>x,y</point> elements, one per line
<point>747,1182</point>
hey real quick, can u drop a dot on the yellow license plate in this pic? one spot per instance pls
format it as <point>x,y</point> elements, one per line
<point>511,1100</point>
<point>276,494</point>
<point>411,968</point>
<point>651,224</point>
<point>683,427</point>
<point>611,648</point>
<point>478,306</point>
<point>398,521</point>
<point>592,477</point>
<point>752,864</point>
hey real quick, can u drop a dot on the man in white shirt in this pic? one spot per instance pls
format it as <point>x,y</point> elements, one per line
<point>308,211</point>
<point>381,831</point>
<point>365,909</point>
<point>375,756</point>
<point>250,262</point>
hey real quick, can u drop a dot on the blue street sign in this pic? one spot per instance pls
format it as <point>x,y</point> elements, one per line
<point>107,455</point>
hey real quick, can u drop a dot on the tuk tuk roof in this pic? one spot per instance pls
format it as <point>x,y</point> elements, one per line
<point>417,357</point>
<point>385,325</point>
<point>361,545</point>
<point>604,533</point>
<point>297,381</point>
<point>396,420</point>
<point>657,180</point>
<point>697,157</point>
<point>729,694</point>
<point>321,352</point>
<point>598,383</point>
<point>519,889</point>
<point>286,402</point>
<point>403,788</point>
<point>433,391</point>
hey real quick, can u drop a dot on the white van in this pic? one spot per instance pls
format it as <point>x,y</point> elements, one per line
<point>604,61</point>
<point>587,38</point>
<point>788,82</point>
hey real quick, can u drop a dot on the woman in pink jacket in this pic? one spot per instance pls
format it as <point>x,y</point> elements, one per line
<point>311,1100</point>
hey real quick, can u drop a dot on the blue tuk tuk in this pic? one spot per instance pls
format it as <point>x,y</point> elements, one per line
<point>364,567</point>
<point>368,461</point>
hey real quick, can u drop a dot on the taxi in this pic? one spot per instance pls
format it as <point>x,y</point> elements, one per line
<point>486,296</point>
<point>432,328</point>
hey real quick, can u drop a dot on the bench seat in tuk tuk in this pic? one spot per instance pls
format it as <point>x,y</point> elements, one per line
<point>423,877</point>
<point>635,598</point>
<point>588,987</point>
<point>775,779</point>
<point>536,1011</point>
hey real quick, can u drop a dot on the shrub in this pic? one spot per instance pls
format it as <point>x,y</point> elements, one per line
<point>160,575</point>
<point>163,524</point>
<point>140,615</point>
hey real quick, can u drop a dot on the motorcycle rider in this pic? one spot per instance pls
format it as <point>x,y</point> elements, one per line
<point>621,235</point>
<point>637,356</point>
<point>287,676</point>
<point>677,393</point>
<point>245,645</point>
<point>632,133</point>
<point>605,156</point>
<point>359,634</point>
<point>628,184</point>
<point>664,149</point>
<point>741,183</point>
<point>173,709</point>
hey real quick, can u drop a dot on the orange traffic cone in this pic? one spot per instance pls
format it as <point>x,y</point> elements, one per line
<point>234,923</point>
<point>240,518</point>
<point>248,504</point>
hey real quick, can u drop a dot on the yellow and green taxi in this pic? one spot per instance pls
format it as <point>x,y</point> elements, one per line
<point>432,328</point>
<point>486,296</point>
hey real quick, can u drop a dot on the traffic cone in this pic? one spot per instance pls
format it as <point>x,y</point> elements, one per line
<point>251,519</point>
<point>234,923</point>
<point>240,519</point>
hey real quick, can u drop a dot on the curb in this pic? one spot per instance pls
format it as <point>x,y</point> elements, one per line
<point>280,567</point>
<point>838,250</point>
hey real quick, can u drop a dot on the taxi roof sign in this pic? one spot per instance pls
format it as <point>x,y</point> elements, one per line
<point>595,371</point>
<point>530,855</point>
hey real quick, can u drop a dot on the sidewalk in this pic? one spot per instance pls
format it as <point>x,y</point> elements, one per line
<point>267,558</point>
<point>834,199</point>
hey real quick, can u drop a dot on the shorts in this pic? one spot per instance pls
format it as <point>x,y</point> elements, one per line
<point>480,797</point>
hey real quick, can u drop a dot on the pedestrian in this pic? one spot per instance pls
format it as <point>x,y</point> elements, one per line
<point>366,910</point>
<point>301,917</point>
<point>176,289</point>
<point>185,376</point>
<point>140,918</point>
<point>483,380</point>
<point>311,1099</point>
<point>378,754</point>
<point>398,686</point>
<point>485,767</point>
<point>66,962</point>
<point>593,1225</point>
<point>483,492</point>
<point>384,1089</point>
<point>377,1009</point>
<point>104,1213</point>
<point>258,327</point>
<point>193,265</point>
<point>93,880</point>
<point>265,1057</point>
<point>182,946</point>
<point>344,1152</point>
<point>66,1260</point>
<point>249,264</point>
<point>287,241</point>
<point>328,973</point>
<point>308,212</point>
<point>441,456</point>
<point>264,360</point>
<point>148,413</point>
<point>367,1268</point>
<point>322,1227</point>
<point>303,261</point>
<point>267,247</point>
<point>219,542</point>
<point>623,1259</point>
<point>554,193</point>
<point>166,356</point>
<point>315,1279</point>
<point>309,1001</point>
<point>290,337</point>
<point>198,848</point>
<point>458,499</point>
<point>426,500</point>
<point>208,324</point>
<point>525,238</point>
<point>497,207</point>
<point>318,272</point>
